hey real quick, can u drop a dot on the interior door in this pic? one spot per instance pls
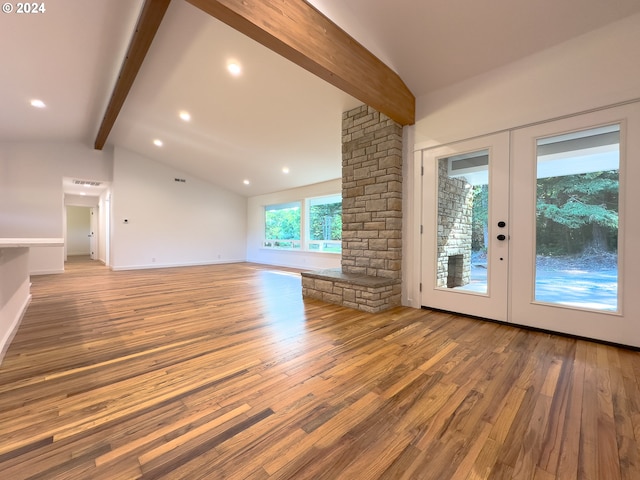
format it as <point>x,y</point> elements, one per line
<point>575,260</point>
<point>465,224</point>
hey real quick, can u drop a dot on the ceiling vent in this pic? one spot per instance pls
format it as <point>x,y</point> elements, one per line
<point>88,183</point>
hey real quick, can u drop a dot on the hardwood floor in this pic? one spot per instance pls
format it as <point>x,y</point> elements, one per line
<point>224,372</point>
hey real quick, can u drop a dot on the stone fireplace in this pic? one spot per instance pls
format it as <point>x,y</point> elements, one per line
<point>370,275</point>
<point>455,271</point>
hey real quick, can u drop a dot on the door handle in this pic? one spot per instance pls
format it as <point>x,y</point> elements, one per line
<point>501,237</point>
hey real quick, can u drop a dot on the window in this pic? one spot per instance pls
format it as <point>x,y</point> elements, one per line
<point>324,225</point>
<point>282,226</point>
<point>320,218</point>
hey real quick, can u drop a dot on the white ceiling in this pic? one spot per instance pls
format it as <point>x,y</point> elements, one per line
<point>274,114</point>
<point>435,43</point>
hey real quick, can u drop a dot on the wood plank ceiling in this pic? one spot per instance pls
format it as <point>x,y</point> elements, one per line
<point>293,29</point>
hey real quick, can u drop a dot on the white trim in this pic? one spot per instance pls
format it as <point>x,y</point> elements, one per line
<point>174,265</point>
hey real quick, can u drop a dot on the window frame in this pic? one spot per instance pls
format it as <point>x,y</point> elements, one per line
<point>272,243</point>
<point>332,247</point>
<point>324,246</point>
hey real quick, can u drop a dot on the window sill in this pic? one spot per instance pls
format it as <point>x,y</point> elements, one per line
<point>298,250</point>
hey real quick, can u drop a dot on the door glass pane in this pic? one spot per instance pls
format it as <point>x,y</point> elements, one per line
<point>463,203</point>
<point>577,219</point>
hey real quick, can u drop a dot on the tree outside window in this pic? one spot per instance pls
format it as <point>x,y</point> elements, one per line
<point>282,225</point>
<point>322,223</point>
<point>578,214</point>
<point>325,224</point>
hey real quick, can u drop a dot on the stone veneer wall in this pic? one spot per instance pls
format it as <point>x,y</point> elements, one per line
<point>370,277</point>
<point>371,194</point>
<point>455,207</point>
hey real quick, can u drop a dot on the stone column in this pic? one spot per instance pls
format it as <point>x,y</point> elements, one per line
<point>371,194</point>
<point>455,211</point>
<point>370,275</point>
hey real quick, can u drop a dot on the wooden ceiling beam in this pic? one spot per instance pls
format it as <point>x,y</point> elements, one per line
<point>149,21</point>
<point>300,33</point>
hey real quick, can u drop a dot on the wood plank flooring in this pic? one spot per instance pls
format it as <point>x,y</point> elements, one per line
<point>224,372</point>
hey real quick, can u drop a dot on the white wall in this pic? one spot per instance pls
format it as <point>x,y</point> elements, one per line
<point>595,70</point>
<point>31,196</point>
<point>294,259</point>
<point>171,223</point>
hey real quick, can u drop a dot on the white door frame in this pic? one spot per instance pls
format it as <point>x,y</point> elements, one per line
<point>493,304</point>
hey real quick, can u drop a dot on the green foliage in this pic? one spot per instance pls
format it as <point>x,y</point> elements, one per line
<point>577,211</point>
<point>479,217</point>
<point>574,213</point>
<point>283,224</point>
<point>325,221</point>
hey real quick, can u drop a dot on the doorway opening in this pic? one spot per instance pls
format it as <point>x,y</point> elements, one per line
<point>86,221</point>
<point>80,234</point>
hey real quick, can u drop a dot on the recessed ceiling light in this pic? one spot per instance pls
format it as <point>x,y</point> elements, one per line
<point>157,142</point>
<point>184,115</point>
<point>37,103</point>
<point>285,170</point>
<point>246,182</point>
<point>234,68</point>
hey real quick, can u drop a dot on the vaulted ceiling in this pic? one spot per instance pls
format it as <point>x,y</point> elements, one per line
<point>273,115</point>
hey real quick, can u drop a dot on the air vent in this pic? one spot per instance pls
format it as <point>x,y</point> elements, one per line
<point>87,183</point>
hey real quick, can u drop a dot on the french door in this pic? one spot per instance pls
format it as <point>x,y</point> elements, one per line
<point>465,265</point>
<point>536,226</point>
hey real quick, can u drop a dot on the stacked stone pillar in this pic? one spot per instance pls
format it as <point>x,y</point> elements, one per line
<point>371,194</point>
<point>455,211</point>
<point>371,267</point>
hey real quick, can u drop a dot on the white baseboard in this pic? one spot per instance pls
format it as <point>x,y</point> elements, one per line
<point>46,272</point>
<point>173,265</point>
